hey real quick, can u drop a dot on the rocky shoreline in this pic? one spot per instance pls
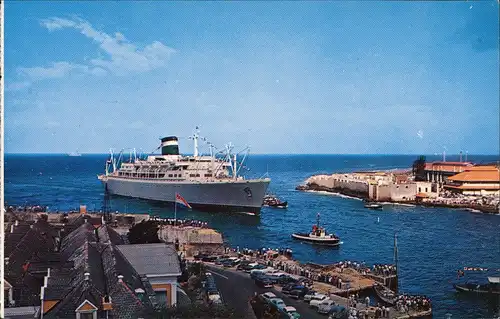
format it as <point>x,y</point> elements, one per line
<point>343,191</point>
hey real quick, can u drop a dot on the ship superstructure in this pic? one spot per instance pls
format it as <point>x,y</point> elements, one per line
<point>208,182</point>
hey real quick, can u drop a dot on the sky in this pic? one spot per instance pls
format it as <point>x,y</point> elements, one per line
<point>374,77</point>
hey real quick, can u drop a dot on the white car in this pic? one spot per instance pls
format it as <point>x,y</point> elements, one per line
<point>261,271</point>
<point>316,300</point>
<point>214,298</point>
<point>325,306</point>
<point>268,296</point>
<point>291,312</point>
<point>309,296</point>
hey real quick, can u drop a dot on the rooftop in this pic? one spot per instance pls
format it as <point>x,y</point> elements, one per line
<point>152,259</point>
<point>477,176</point>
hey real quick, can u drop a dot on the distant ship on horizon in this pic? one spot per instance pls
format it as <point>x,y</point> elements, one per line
<point>74,153</point>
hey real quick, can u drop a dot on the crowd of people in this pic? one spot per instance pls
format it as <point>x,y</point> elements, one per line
<point>266,253</point>
<point>384,270</point>
<point>27,209</point>
<point>181,222</point>
<point>406,303</point>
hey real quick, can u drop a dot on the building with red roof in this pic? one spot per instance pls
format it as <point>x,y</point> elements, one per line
<point>477,180</point>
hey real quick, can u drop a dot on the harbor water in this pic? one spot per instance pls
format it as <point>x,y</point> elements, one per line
<point>433,242</point>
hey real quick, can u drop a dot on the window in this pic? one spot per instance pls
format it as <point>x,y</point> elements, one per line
<point>86,315</point>
<point>169,175</point>
<point>420,190</point>
<point>197,175</point>
<point>161,297</point>
<point>426,189</point>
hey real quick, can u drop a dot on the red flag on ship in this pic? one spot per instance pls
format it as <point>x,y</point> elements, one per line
<point>179,199</point>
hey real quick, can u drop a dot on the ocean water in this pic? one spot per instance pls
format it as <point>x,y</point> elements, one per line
<point>433,242</point>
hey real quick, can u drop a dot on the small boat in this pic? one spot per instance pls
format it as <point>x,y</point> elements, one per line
<point>318,236</point>
<point>273,201</point>
<point>373,206</point>
<point>385,294</point>
<point>74,154</point>
<point>492,287</point>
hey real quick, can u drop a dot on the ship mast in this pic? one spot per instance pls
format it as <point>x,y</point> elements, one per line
<point>195,142</point>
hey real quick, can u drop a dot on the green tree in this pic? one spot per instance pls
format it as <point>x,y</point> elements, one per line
<point>145,232</point>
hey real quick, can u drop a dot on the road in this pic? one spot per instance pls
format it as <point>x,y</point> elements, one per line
<point>237,288</point>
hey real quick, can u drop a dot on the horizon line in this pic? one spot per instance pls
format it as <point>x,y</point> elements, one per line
<point>355,154</point>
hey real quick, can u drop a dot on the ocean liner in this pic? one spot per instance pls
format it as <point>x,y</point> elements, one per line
<point>210,183</point>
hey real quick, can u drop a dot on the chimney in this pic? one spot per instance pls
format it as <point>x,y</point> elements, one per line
<point>139,293</point>
<point>6,261</point>
<point>11,228</point>
<point>87,276</point>
<point>17,222</point>
<point>48,272</point>
<point>120,278</point>
<point>106,303</point>
<point>31,226</point>
<point>103,221</point>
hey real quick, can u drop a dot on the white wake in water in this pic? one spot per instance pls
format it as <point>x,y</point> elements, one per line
<point>334,194</point>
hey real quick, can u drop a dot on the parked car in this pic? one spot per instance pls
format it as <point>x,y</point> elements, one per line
<point>255,266</point>
<point>231,262</point>
<point>325,306</point>
<point>316,300</point>
<point>284,280</point>
<point>209,258</point>
<point>338,312</point>
<point>214,298</point>
<point>309,295</point>
<point>267,296</point>
<point>277,302</point>
<point>263,282</point>
<point>289,312</point>
<point>243,265</point>
<point>299,293</point>
<point>290,287</point>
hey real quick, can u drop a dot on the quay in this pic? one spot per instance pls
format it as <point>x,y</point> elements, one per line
<point>438,184</point>
<point>345,297</point>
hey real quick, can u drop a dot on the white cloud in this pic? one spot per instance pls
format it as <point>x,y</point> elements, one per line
<point>124,57</point>
<point>56,70</point>
<point>16,86</point>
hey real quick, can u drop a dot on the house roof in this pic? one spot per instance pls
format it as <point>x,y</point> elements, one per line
<point>152,259</point>
<point>447,166</point>
<point>482,168</point>
<point>477,176</point>
<point>473,187</point>
<point>20,312</point>
<point>107,233</point>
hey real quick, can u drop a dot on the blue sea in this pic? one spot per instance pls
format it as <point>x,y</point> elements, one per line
<point>433,242</point>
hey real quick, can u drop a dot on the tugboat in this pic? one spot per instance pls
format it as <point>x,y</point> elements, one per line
<point>273,201</point>
<point>492,287</point>
<point>318,236</point>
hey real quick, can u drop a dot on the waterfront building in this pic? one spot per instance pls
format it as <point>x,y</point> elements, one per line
<point>438,172</point>
<point>477,181</point>
<point>159,263</point>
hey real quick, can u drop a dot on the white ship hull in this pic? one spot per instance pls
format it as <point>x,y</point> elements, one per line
<point>237,196</point>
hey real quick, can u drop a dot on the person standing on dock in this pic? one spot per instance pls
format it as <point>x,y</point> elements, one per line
<point>367,301</point>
